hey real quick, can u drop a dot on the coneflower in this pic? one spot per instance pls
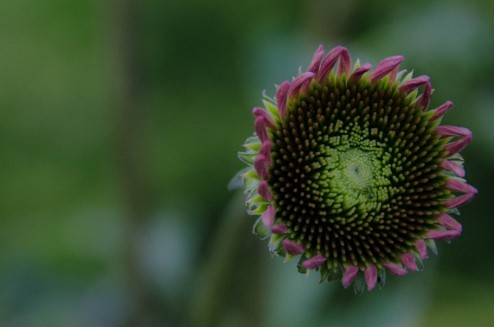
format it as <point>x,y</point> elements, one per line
<point>349,170</point>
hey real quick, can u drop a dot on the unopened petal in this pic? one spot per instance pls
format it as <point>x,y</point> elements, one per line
<point>292,247</point>
<point>445,235</point>
<point>459,200</point>
<point>451,166</point>
<point>268,217</point>
<point>314,262</point>
<point>408,260</point>
<point>449,222</point>
<point>394,269</point>
<point>359,72</point>
<point>349,275</point>
<point>386,66</point>
<point>316,59</point>
<point>371,277</point>
<point>281,97</point>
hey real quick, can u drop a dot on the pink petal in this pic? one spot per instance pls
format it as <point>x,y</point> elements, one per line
<point>279,229</point>
<point>449,222</point>
<point>267,217</point>
<point>445,235</point>
<point>449,131</point>
<point>409,261</point>
<point>459,186</point>
<point>359,72</point>
<point>261,166</point>
<point>281,97</point>
<point>421,249</point>
<point>395,269</point>
<point>299,84</point>
<point>316,59</point>
<point>259,112</point>
<point>314,262</point>
<point>265,149</point>
<point>328,62</point>
<point>387,66</point>
<point>349,275</point>
<point>345,63</point>
<point>371,277</point>
<point>292,247</point>
<point>459,200</point>
<point>425,99</point>
<point>263,190</point>
<point>451,166</point>
<point>413,83</point>
<point>458,146</point>
<point>260,125</point>
<point>442,110</point>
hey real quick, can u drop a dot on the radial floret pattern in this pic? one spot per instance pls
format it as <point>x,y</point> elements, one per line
<point>351,171</point>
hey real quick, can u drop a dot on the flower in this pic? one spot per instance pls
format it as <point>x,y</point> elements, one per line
<point>349,170</point>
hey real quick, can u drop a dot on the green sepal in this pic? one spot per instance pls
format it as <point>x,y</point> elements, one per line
<point>260,230</point>
<point>252,174</point>
<point>381,277</point>
<point>236,181</point>
<point>301,269</point>
<point>359,284</point>
<point>329,274</point>
<point>419,261</point>
<point>271,108</point>
<point>259,208</point>
<point>432,246</point>
<point>246,157</point>
<point>274,245</point>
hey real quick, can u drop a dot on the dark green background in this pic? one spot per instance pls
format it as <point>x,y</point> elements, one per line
<point>119,127</point>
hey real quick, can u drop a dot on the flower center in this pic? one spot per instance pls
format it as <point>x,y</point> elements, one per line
<point>355,172</point>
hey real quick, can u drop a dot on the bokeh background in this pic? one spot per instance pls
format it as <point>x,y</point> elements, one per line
<point>119,127</point>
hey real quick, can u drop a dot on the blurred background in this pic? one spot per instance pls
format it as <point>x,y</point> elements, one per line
<point>120,122</point>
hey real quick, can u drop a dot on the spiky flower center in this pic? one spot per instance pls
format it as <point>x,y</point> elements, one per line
<point>355,171</point>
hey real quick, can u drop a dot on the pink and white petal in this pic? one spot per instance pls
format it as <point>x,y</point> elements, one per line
<point>279,229</point>
<point>265,150</point>
<point>268,216</point>
<point>387,66</point>
<point>394,269</point>
<point>371,277</point>
<point>349,275</point>
<point>449,222</point>
<point>264,191</point>
<point>261,166</point>
<point>328,62</point>
<point>451,166</point>
<point>359,72</point>
<point>459,145</point>
<point>459,186</point>
<point>445,235</point>
<point>281,97</point>
<point>259,112</point>
<point>414,83</point>
<point>299,84</point>
<point>345,63</point>
<point>449,131</point>
<point>459,200</point>
<point>316,59</point>
<point>421,249</point>
<point>408,260</point>
<point>425,99</point>
<point>442,110</point>
<point>314,262</point>
<point>292,248</point>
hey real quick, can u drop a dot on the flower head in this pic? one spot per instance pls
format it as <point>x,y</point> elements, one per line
<point>351,171</point>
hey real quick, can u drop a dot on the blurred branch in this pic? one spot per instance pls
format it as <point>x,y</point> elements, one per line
<point>207,303</point>
<point>130,131</point>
